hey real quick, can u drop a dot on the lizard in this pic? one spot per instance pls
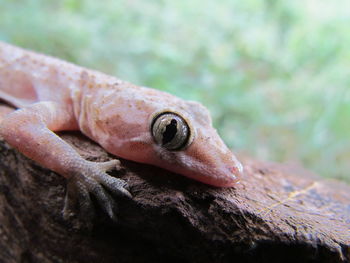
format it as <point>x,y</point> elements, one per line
<point>136,123</point>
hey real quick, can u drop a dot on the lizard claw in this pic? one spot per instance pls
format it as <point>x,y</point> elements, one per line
<point>92,179</point>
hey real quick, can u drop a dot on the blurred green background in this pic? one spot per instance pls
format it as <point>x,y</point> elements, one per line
<point>275,74</point>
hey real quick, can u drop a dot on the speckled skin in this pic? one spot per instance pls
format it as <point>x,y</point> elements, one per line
<point>53,95</point>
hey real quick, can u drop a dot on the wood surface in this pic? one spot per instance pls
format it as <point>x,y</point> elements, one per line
<point>278,213</point>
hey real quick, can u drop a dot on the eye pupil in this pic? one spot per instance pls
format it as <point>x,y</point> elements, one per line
<point>170,132</point>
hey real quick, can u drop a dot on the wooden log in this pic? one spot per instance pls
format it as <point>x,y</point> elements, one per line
<point>278,213</point>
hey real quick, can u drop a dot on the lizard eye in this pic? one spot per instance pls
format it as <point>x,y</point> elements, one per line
<point>171,131</point>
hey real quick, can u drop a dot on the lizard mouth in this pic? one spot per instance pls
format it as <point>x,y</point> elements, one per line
<point>226,176</point>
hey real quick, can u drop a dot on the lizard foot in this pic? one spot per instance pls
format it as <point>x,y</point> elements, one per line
<point>92,179</point>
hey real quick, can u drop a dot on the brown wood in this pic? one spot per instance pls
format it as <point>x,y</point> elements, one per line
<point>278,213</point>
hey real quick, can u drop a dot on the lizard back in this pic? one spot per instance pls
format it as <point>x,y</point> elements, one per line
<point>27,77</point>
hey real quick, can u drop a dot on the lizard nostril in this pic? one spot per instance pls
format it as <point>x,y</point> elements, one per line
<point>236,170</point>
<point>232,169</point>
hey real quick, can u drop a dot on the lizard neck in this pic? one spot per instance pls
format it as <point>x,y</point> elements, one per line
<point>89,94</point>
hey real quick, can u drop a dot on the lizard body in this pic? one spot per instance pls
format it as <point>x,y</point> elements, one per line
<point>135,123</point>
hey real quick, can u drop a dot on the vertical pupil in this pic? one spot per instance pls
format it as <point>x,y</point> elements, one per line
<point>170,132</point>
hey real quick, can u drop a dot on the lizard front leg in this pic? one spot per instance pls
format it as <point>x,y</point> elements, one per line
<point>30,130</point>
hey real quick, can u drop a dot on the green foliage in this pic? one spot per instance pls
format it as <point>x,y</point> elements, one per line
<point>274,74</point>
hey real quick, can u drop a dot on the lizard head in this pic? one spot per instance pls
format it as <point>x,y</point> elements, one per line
<point>186,143</point>
<point>168,132</point>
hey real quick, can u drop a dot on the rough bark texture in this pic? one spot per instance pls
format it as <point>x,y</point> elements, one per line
<point>278,213</point>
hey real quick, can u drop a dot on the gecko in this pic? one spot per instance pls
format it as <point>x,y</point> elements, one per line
<point>136,123</point>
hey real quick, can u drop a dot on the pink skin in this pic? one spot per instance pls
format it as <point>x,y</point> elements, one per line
<point>206,159</point>
<point>54,95</point>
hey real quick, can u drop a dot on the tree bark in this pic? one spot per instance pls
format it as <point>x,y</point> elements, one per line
<point>278,213</point>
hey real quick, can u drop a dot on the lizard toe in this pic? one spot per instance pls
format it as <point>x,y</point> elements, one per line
<point>109,165</point>
<point>116,186</point>
<point>104,200</point>
<point>78,198</point>
<point>70,201</point>
<point>86,209</point>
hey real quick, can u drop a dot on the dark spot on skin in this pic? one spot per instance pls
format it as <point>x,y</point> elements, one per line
<point>170,132</point>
